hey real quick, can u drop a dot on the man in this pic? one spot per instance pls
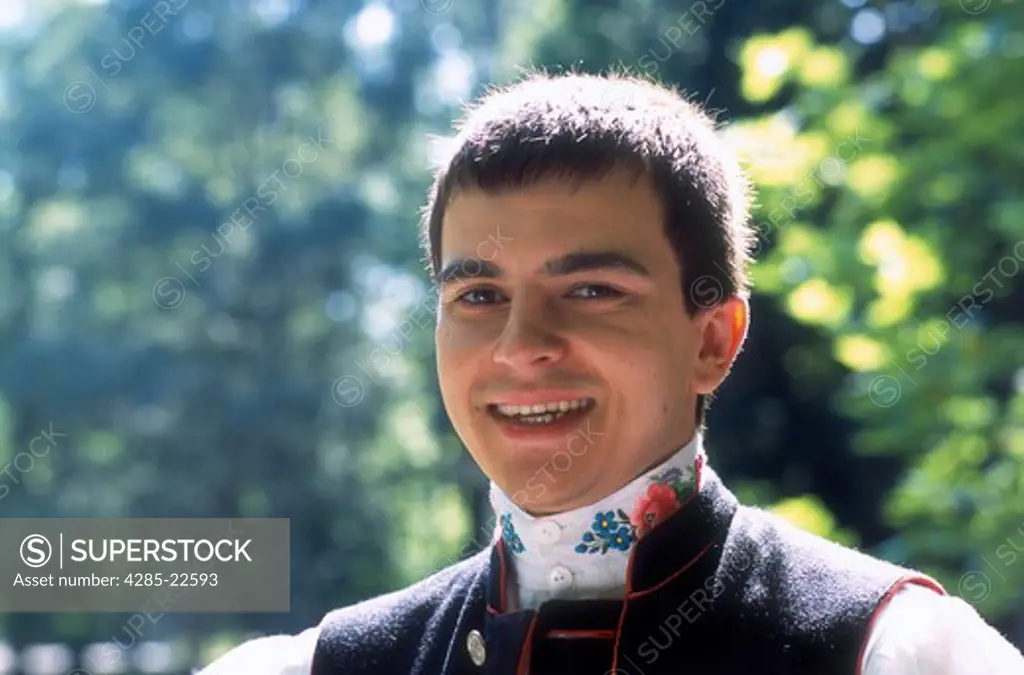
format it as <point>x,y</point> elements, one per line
<point>589,237</point>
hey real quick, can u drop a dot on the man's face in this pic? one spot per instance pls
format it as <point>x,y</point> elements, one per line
<point>567,361</point>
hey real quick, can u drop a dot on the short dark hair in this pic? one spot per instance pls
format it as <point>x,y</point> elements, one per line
<point>580,127</point>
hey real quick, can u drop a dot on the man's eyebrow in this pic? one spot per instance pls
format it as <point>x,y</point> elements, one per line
<point>468,268</point>
<point>594,261</point>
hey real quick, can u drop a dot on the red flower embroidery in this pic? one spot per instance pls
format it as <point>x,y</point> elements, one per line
<point>653,507</point>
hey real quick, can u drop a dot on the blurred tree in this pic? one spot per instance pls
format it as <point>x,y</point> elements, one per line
<point>212,302</point>
<point>893,228</point>
<point>196,228</point>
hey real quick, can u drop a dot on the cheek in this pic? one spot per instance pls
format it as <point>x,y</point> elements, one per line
<point>638,350</point>
<point>456,367</point>
<point>464,338</point>
<point>650,370</point>
<point>453,343</point>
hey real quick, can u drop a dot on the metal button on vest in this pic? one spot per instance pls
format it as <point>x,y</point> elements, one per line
<point>476,647</point>
<point>560,578</point>
<point>548,532</point>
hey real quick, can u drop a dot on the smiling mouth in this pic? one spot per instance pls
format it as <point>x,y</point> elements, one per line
<point>541,413</point>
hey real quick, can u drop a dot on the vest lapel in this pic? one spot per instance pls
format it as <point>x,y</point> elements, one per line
<point>677,544</point>
<point>471,616</point>
<point>676,555</point>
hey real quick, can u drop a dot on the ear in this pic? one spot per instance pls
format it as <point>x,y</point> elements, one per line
<point>723,329</point>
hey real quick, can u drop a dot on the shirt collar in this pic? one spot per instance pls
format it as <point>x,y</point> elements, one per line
<point>584,553</point>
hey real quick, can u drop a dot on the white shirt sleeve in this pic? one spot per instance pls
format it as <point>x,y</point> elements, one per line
<point>922,632</point>
<point>270,655</point>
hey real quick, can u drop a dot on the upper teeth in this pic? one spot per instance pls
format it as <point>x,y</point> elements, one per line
<point>542,408</point>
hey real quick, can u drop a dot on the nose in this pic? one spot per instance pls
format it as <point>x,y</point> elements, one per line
<point>530,339</point>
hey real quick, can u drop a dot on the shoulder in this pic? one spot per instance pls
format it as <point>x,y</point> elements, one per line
<point>409,606</point>
<point>807,581</point>
<point>389,631</point>
<point>912,626</point>
<point>370,631</point>
<point>921,631</point>
<point>776,543</point>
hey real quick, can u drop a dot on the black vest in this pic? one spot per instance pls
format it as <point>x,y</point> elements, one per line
<point>717,589</point>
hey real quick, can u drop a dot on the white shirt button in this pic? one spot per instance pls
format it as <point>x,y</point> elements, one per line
<point>475,646</point>
<point>548,532</point>
<point>560,579</point>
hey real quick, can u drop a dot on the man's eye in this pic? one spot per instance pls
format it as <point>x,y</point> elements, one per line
<point>595,292</point>
<point>479,296</point>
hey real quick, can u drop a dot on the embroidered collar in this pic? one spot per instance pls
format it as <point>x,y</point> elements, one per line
<point>584,553</point>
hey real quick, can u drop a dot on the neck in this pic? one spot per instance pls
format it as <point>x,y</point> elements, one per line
<point>584,552</point>
<point>692,435</point>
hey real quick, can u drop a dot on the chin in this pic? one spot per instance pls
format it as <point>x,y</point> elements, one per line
<point>539,488</point>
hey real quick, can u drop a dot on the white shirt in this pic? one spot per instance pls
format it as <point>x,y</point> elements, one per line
<point>542,550</point>
<point>919,632</point>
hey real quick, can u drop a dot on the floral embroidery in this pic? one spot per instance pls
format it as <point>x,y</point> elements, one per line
<point>508,533</point>
<point>662,498</point>
<point>617,530</point>
<point>610,530</point>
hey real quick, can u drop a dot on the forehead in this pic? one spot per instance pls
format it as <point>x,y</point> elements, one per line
<point>523,227</point>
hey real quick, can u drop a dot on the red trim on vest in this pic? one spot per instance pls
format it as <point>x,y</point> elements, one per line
<point>630,595</point>
<point>926,581</point>
<point>581,634</point>
<point>524,656</point>
<point>501,587</point>
<point>622,614</point>
<point>699,464</point>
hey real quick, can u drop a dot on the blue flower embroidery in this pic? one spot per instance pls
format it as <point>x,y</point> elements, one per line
<point>604,523</point>
<point>610,530</point>
<point>623,538</point>
<point>508,533</point>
